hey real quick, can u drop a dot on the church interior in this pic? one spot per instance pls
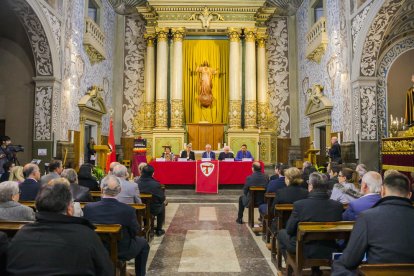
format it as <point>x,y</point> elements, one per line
<point>282,78</point>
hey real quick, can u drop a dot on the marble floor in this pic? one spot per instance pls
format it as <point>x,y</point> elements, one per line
<point>203,239</point>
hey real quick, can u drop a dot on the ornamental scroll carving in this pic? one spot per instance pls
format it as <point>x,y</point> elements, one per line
<point>206,17</point>
<point>42,116</point>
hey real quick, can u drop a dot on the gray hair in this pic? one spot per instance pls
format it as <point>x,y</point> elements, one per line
<point>318,181</point>
<point>112,166</point>
<point>120,171</point>
<point>71,175</point>
<point>226,148</point>
<point>111,186</point>
<point>141,166</point>
<point>373,181</point>
<point>7,190</point>
<point>361,169</point>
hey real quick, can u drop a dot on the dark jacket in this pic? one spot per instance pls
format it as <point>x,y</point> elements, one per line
<point>274,177</point>
<point>184,155</point>
<point>4,243</point>
<point>359,205</point>
<point>111,211</point>
<point>384,232</point>
<point>58,245</point>
<point>316,208</point>
<point>335,153</point>
<point>149,185</point>
<point>332,181</point>
<point>224,155</point>
<point>80,193</point>
<point>29,189</point>
<point>212,155</point>
<point>255,179</point>
<point>290,194</point>
<point>276,185</point>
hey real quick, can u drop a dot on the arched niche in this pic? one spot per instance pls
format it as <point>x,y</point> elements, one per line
<point>91,109</point>
<point>319,109</point>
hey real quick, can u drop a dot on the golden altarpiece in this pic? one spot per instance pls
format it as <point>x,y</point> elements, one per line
<point>207,66</point>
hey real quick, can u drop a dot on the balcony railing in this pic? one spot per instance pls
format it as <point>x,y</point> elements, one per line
<point>317,40</point>
<point>93,41</point>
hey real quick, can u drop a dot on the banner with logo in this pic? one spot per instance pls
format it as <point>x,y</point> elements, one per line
<point>207,177</point>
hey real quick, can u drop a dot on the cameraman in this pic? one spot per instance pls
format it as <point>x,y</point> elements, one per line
<point>5,153</point>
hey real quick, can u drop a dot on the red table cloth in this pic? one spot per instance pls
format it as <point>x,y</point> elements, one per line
<point>184,173</point>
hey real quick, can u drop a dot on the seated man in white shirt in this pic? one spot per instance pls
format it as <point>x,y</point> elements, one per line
<point>208,153</point>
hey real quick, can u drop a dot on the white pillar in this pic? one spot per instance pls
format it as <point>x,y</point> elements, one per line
<point>250,109</point>
<point>234,78</point>
<point>161,107</point>
<point>263,104</point>
<point>177,79</point>
<point>149,83</point>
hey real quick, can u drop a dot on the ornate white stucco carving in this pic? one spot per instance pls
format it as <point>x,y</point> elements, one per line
<point>384,66</point>
<point>36,35</point>
<point>135,46</point>
<point>317,73</point>
<point>368,113</point>
<point>357,23</point>
<point>42,116</point>
<point>277,49</point>
<point>55,23</point>
<point>375,36</point>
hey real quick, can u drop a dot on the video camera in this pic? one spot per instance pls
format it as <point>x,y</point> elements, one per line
<point>15,148</point>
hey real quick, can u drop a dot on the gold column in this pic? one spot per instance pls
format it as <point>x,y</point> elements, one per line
<point>177,79</point>
<point>234,79</point>
<point>161,105</point>
<point>250,110</point>
<point>263,104</point>
<point>149,107</point>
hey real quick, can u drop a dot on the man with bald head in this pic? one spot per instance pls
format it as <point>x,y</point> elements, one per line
<point>335,151</point>
<point>370,188</point>
<point>110,211</point>
<point>30,186</point>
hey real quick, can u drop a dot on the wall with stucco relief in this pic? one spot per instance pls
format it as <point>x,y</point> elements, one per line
<point>134,52</point>
<point>310,72</point>
<point>78,73</point>
<point>278,66</point>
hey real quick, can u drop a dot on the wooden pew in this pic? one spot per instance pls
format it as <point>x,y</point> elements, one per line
<point>268,218</point>
<point>149,219</point>
<point>253,193</point>
<point>96,195</point>
<point>315,231</point>
<point>386,269</point>
<point>107,232</point>
<point>282,212</point>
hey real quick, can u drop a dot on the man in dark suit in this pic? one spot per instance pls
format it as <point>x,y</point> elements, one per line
<point>384,232</point>
<point>276,175</point>
<point>278,183</point>
<point>333,171</point>
<point>316,208</point>
<point>208,153</point>
<point>148,185</point>
<point>335,151</point>
<point>110,211</point>
<point>188,153</point>
<point>225,154</point>
<point>257,178</point>
<point>370,188</point>
<point>30,186</point>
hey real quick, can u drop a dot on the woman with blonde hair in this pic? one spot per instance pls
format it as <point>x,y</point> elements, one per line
<point>345,191</point>
<point>16,174</point>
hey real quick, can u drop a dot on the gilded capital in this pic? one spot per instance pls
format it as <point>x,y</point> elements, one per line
<point>162,34</point>
<point>150,39</point>
<point>178,34</point>
<point>234,34</point>
<point>261,40</point>
<point>250,34</point>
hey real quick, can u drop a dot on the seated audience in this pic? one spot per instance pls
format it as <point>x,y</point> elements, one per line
<point>4,244</point>
<point>225,154</point>
<point>293,191</point>
<point>58,243</point>
<point>391,172</point>
<point>77,209</point>
<point>55,169</point>
<point>188,153</point>
<point>167,154</point>
<point>16,174</point>
<point>275,185</point>
<point>110,211</point>
<point>10,208</point>
<point>112,166</point>
<point>370,189</point>
<point>257,178</point>
<point>30,187</point>
<point>129,190</point>
<point>86,179</point>
<point>79,193</point>
<point>333,170</point>
<point>306,171</point>
<point>7,166</point>
<point>147,184</point>
<point>243,153</point>
<point>345,191</point>
<point>385,232</point>
<point>140,167</point>
<point>316,208</point>
<point>276,175</point>
<point>208,153</point>
<point>361,169</point>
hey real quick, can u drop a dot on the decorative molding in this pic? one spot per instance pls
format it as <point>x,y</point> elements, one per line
<point>56,25</point>
<point>149,121</point>
<point>368,113</point>
<point>43,113</point>
<point>375,35</point>
<point>261,40</point>
<point>37,37</point>
<point>278,77</point>
<point>93,41</point>
<point>234,34</point>
<point>162,34</point>
<point>262,111</point>
<point>235,114</point>
<point>177,113</point>
<point>357,23</point>
<point>178,34</point>
<point>250,34</point>
<point>161,114</point>
<point>250,111</point>
<point>206,17</point>
<point>317,41</point>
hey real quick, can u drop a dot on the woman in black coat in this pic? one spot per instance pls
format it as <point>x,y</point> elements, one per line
<point>86,179</point>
